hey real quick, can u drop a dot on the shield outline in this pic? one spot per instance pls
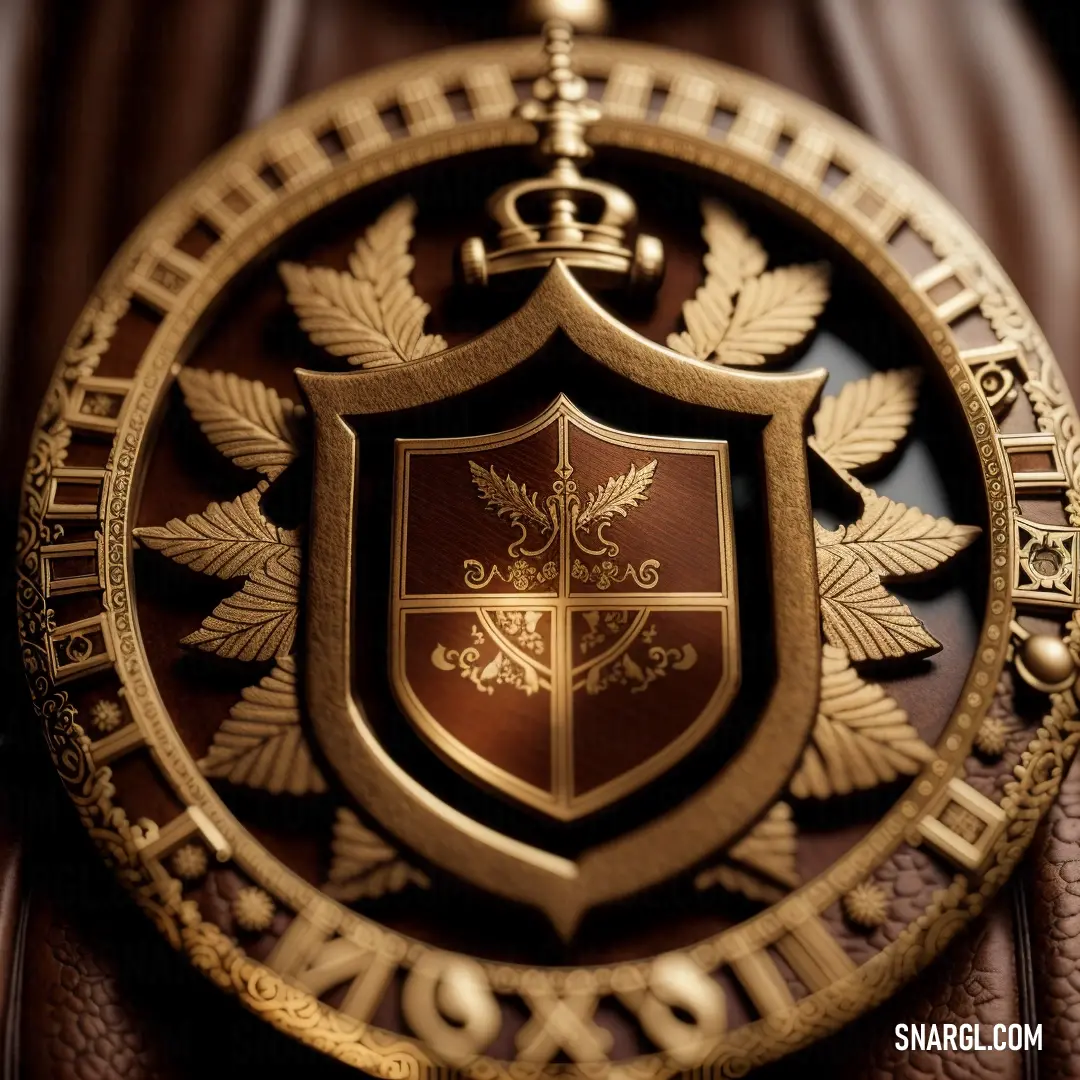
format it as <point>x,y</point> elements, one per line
<point>468,760</point>
<point>563,888</point>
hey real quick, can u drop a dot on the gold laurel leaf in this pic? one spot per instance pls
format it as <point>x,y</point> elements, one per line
<point>861,737</point>
<point>706,317</point>
<point>356,848</point>
<point>262,744</point>
<point>364,866</point>
<point>246,421</point>
<point>867,419</point>
<point>226,540</point>
<point>733,258</point>
<point>617,496</point>
<point>898,541</point>
<point>761,866</point>
<point>259,621</point>
<point>859,615</point>
<point>773,313</point>
<point>770,846</point>
<point>370,314</point>
<point>506,497</point>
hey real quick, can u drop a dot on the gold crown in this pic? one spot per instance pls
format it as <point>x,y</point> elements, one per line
<point>564,215</point>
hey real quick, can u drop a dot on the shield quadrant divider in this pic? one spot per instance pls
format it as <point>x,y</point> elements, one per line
<point>561,629</point>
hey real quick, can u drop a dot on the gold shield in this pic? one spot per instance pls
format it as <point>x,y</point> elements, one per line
<point>746,783</point>
<point>563,619</point>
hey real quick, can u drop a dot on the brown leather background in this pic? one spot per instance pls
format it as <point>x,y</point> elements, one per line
<point>118,99</point>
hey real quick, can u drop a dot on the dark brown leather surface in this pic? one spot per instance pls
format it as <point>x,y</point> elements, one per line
<point>129,97</point>
<point>1055,890</point>
<point>975,981</point>
<point>102,995</point>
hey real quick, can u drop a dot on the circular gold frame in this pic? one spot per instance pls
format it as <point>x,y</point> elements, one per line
<point>875,199</point>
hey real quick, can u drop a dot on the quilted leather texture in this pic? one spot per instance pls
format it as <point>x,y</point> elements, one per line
<point>1056,933</point>
<point>80,1021</point>
<point>103,996</point>
<point>973,982</point>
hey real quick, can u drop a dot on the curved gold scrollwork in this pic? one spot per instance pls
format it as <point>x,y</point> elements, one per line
<point>563,511</point>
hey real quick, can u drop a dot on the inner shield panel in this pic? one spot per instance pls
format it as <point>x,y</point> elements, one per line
<point>564,620</point>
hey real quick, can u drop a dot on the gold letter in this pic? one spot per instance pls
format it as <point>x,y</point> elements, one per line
<point>443,985</point>
<point>676,982</point>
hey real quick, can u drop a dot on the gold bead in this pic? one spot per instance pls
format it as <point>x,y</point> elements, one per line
<point>647,267</point>
<point>1045,663</point>
<point>472,262</point>
<point>585,16</point>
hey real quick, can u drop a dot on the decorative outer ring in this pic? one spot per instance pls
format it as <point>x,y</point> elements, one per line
<point>745,153</point>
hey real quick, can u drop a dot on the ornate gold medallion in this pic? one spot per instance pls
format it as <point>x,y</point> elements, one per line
<point>524,552</point>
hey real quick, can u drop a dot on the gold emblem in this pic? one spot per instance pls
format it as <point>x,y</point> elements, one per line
<point>545,687</point>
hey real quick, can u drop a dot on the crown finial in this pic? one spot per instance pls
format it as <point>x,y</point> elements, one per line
<point>563,215</point>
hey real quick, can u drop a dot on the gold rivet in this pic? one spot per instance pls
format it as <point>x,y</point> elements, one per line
<point>585,16</point>
<point>1045,663</point>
